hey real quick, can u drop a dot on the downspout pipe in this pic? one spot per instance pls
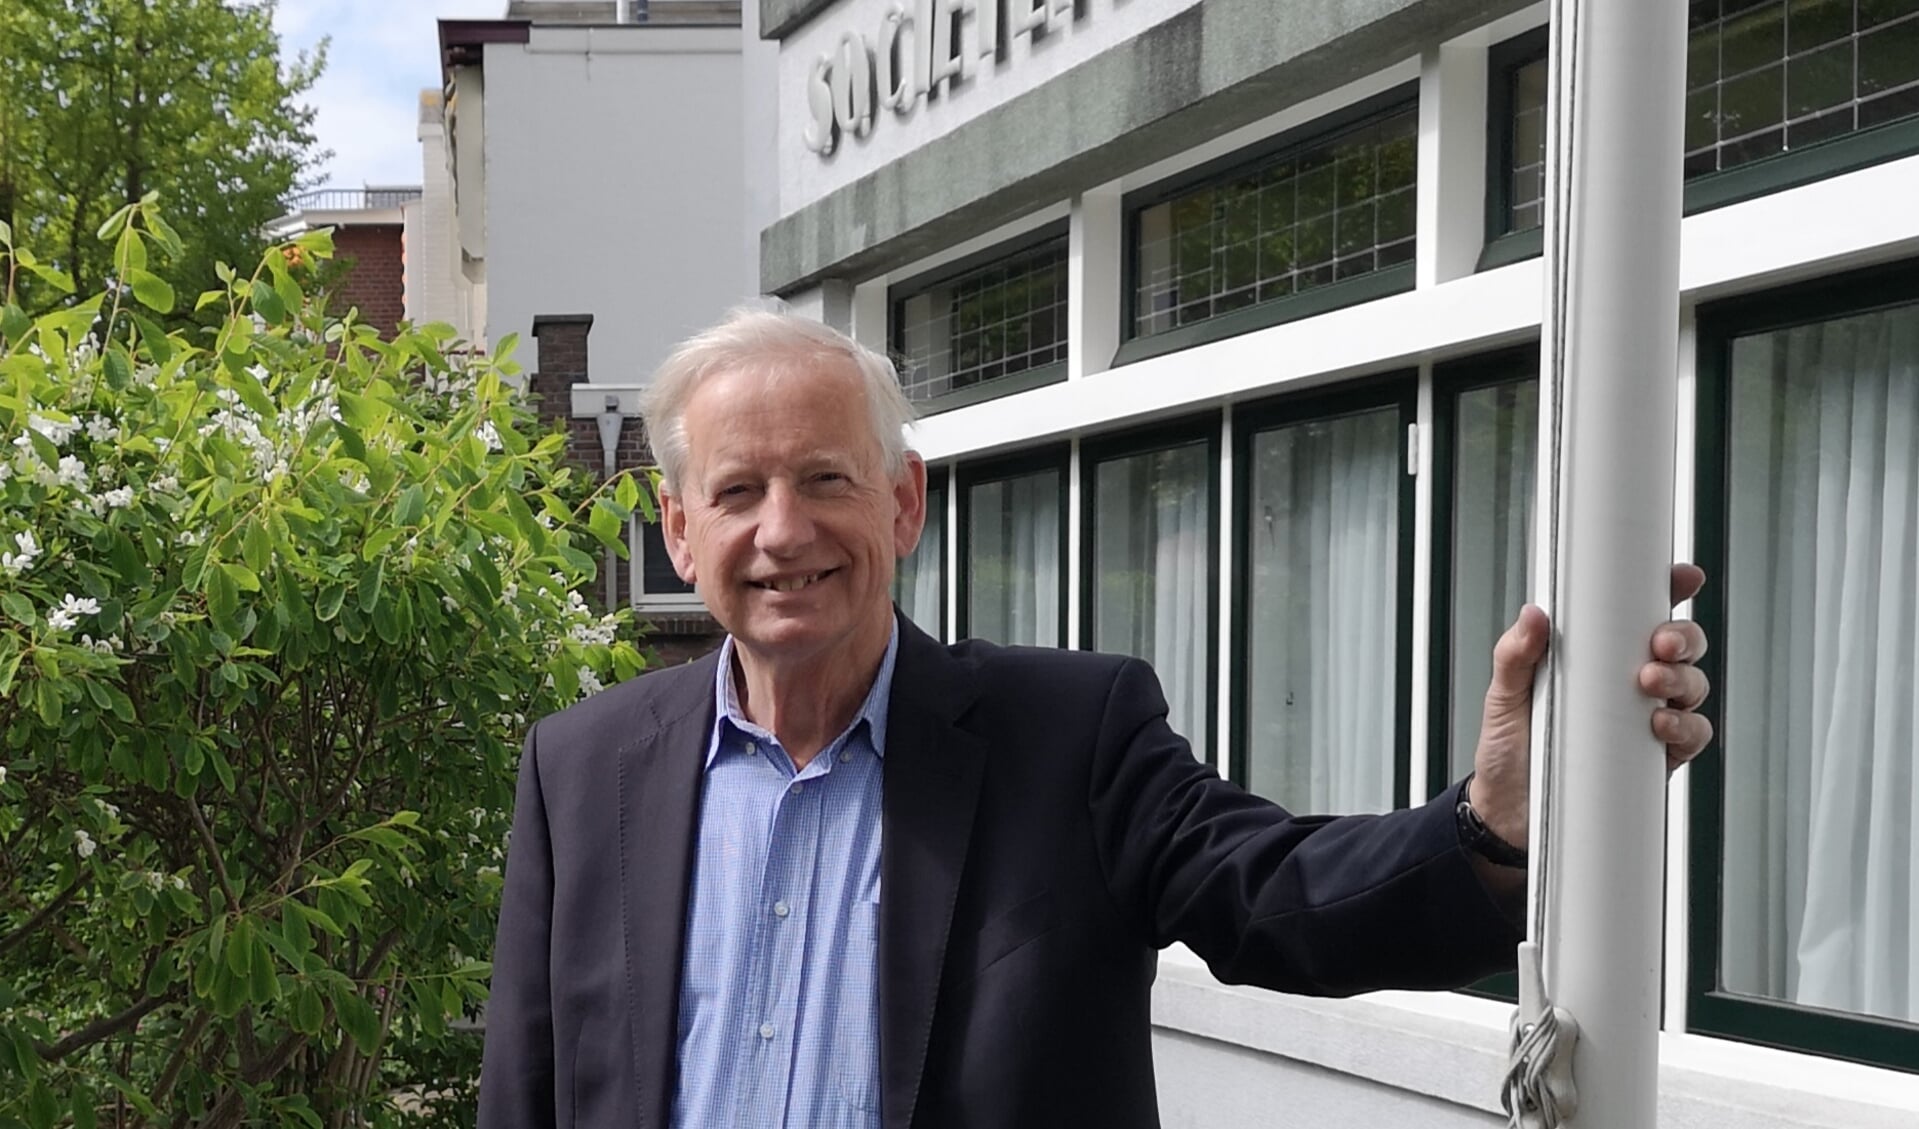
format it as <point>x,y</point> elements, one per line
<point>611,421</point>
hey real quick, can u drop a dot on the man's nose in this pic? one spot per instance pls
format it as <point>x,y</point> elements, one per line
<point>786,525</point>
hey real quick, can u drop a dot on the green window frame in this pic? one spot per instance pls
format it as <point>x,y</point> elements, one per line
<point>1351,282</point>
<point>1398,393</point>
<point>1711,1009</point>
<point>1196,432</point>
<point>968,479</point>
<point>996,320</point>
<point>1883,35</point>
<point>929,553</point>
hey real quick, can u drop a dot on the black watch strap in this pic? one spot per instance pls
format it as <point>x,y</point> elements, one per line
<point>1475,836</point>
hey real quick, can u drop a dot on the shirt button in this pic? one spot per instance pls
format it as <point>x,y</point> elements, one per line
<point>797,788</point>
<point>846,755</point>
<point>781,909</point>
<point>766,1030</point>
<point>752,747</point>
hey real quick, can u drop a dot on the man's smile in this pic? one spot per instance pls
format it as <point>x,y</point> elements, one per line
<point>793,583</point>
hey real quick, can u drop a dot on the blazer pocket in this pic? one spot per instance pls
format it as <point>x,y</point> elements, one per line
<point>1024,923</point>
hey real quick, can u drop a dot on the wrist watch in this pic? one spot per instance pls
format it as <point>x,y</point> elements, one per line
<point>1475,836</point>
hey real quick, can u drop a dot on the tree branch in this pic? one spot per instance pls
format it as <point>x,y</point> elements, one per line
<point>33,923</point>
<point>105,1027</point>
<point>213,851</point>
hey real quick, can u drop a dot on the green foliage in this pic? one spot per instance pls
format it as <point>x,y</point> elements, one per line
<point>276,602</point>
<point>105,101</point>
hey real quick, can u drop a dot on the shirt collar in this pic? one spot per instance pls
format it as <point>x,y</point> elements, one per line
<point>873,711</point>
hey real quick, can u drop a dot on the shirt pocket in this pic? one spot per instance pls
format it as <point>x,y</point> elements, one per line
<point>858,1044</point>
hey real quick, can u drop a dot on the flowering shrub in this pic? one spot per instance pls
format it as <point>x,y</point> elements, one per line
<point>275,605</point>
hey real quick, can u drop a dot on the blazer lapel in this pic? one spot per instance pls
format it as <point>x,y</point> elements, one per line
<point>661,769</point>
<point>931,787</point>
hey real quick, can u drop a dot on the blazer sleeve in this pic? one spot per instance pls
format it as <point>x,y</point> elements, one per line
<point>516,1072</point>
<point>1312,905</point>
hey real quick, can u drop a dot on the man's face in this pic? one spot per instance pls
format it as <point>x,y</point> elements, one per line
<point>784,517</point>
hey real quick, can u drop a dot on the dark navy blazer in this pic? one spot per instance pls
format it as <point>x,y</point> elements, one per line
<point>1044,833</point>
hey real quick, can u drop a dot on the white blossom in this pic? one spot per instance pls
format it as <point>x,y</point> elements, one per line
<point>72,473</point>
<point>106,646</point>
<point>84,844</point>
<point>64,617</point>
<point>590,683</point>
<point>488,434</point>
<point>166,483</point>
<point>449,603</point>
<point>3,774</point>
<point>178,882</point>
<point>511,591</point>
<point>56,431</point>
<point>13,564</point>
<point>120,497</point>
<point>100,429</point>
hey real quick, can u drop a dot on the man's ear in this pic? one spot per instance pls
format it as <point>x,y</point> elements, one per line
<point>673,532</point>
<point>909,498</point>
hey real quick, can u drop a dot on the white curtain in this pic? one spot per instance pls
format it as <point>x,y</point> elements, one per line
<point>1013,587</point>
<point>922,576</point>
<point>1497,434</point>
<point>1153,555</point>
<point>1821,684</point>
<point>1323,614</point>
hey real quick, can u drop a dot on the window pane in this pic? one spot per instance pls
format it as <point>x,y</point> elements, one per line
<point>1494,458</point>
<point>919,582</point>
<point>1763,77</point>
<point>1821,894</point>
<point>657,577</point>
<point>1322,552</point>
<point>1328,209</point>
<point>1005,318</point>
<point>1014,545</point>
<point>1152,560</point>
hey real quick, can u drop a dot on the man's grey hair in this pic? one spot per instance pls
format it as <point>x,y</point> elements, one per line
<point>772,343</point>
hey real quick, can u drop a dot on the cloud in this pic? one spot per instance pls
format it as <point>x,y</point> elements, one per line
<point>382,54</point>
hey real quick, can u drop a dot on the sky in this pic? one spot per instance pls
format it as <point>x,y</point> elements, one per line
<point>383,53</point>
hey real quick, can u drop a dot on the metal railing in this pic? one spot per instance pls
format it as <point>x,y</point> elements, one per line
<point>352,199</point>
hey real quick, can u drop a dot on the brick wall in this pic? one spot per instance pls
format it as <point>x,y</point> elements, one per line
<point>675,638</point>
<point>375,282</point>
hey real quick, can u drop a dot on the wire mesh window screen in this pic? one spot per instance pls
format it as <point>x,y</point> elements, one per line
<point>1336,207</point>
<point>1002,319</point>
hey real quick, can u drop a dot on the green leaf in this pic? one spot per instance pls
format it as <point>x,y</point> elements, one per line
<point>358,1019</point>
<point>328,605</point>
<point>14,323</point>
<point>267,303</point>
<point>53,276</point>
<point>317,917</point>
<point>371,582</point>
<point>264,982</point>
<point>242,576</point>
<point>151,290</point>
<point>428,1007</point>
<point>256,548</point>
<point>627,494</point>
<point>308,1010</point>
<point>216,937</point>
<point>18,608</point>
<point>603,523</point>
<point>411,505</point>
<point>42,1107</point>
<point>84,1115</point>
<point>223,600</point>
<point>119,368</point>
<point>240,948</point>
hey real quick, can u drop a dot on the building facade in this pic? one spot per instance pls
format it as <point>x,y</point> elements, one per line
<point>1223,317</point>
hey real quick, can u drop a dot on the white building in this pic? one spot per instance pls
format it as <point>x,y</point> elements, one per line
<point>587,160</point>
<point>1225,318</point>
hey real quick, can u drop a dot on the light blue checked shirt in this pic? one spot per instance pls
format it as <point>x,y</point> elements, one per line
<point>779,1019</point>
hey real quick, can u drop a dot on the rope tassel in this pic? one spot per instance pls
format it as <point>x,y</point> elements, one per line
<point>1539,1092</point>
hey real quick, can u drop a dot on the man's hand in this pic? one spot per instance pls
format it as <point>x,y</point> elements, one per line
<point>1502,763</point>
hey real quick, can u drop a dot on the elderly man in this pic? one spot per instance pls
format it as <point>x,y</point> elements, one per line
<point>841,875</point>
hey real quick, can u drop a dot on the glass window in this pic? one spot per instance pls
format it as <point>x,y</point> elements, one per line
<point>1336,207</point>
<point>1015,559</point>
<point>1152,572</point>
<point>1495,436</point>
<point>655,582</point>
<point>1324,534</point>
<point>986,324</point>
<point>919,581</point>
<point>1763,77</point>
<point>1820,865</point>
